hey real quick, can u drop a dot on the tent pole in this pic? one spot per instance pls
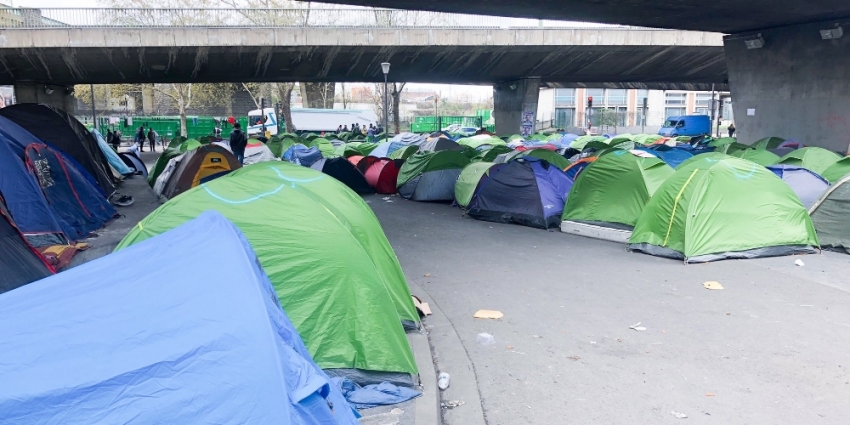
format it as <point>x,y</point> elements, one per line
<point>93,112</point>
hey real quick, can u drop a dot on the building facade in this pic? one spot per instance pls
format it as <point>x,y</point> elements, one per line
<point>627,108</point>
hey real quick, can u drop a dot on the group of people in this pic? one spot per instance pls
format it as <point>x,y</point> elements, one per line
<point>151,136</point>
<point>357,128</point>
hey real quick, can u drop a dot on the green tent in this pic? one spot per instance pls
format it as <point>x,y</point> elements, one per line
<point>646,139</point>
<point>323,250</point>
<point>279,145</point>
<point>613,190</point>
<point>405,152</point>
<point>728,208</point>
<point>549,156</point>
<point>430,176</point>
<point>731,148</point>
<point>831,216</point>
<point>836,171</point>
<point>351,149</point>
<point>759,156</point>
<point>489,155</point>
<point>323,145</point>
<point>468,181</point>
<point>513,137</point>
<point>175,142</point>
<point>812,159</point>
<point>722,141</point>
<point>189,145</point>
<point>715,156</point>
<point>476,142</point>
<point>161,163</point>
<point>768,143</point>
<point>581,142</point>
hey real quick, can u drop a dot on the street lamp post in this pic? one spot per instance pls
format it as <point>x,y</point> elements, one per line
<point>386,68</point>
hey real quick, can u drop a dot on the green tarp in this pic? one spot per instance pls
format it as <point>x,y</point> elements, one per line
<point>325,253</point>
<point>759,156</point>
<point>423,162</point>
<point>838,170</point>
<point>614,189</point>
<point>468,181</point>
<point>712,209</point>
<point>831,216</point>
<point>812,159</point>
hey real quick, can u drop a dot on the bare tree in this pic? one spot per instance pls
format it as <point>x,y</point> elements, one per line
<point>181,95</point>
<point>396,97</point>
<point>344,97</point>
<point>284,91</point>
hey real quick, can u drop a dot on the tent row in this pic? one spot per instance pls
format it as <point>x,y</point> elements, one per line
<point>55,183</point>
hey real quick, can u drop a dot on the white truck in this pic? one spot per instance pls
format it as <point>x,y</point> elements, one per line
<point>308,119</point>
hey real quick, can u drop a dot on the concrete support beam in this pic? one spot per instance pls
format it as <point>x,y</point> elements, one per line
<point>512,100</point>
<point>796,86</point>
<point>59,96</point>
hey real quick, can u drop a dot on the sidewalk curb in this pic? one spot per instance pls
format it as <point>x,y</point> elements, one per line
<point>449,355</point>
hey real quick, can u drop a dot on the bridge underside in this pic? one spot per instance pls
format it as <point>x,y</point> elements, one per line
<point>699,15</point>
<point>661,67</point>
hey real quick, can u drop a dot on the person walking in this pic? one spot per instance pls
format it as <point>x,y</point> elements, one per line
<point>731,129</point>
<point>109,140</point>
<point>238,142</point>
<point>152,139</point>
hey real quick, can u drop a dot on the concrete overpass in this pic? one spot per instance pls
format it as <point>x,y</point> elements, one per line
<point>35,52</point>
<point>790,80</point>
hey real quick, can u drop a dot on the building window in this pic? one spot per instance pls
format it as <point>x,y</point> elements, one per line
<point>615,97</point>
<point>565,97</point>
<point>641,95</point>
<point>598,95</point>
<point>565,117</point>
<point>702,111</point>
<point>703,100</point>
<point>673,99</point>
<point>675,112</point>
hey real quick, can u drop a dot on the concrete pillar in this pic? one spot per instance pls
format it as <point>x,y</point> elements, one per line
<point>512,100</point>
<point>148,103</point>
<point>795,86</point>
<point>59,96</point>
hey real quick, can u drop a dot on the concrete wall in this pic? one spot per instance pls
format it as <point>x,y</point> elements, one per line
<point>796,86</point>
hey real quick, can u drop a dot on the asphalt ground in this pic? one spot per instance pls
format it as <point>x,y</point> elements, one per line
<point>770,348</point>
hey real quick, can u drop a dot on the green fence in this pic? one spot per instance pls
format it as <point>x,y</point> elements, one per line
<point>430,124</point>
<point>169,127</point>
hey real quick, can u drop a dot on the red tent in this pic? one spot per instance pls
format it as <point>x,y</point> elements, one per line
<point>383,173</point>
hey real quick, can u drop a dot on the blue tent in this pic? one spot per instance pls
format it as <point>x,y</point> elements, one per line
<point>26,202</point>
<point>182,328</point>
<point>302,155</point>
<point>673,157</point>
<point>73,199</point>
<point>385,149</point>
<point>111,156</point>
<point>808,185</point>
<point>528,191</point>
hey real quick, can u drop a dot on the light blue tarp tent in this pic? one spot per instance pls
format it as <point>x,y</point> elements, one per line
<point>808,185</point>
<point>111,156</point>
<point>385,149</point>
<point>183,328</point>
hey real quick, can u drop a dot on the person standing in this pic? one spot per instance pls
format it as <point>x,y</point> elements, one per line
<point>140,138</point>
<point>731,129</point>
<point>371,133</point>
<point>238,142</point>
<point>152,139</point>
<point>339,129</point>
<point>109,139</point>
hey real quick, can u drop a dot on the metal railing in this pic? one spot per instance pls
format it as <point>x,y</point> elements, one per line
<point>29,18</point>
